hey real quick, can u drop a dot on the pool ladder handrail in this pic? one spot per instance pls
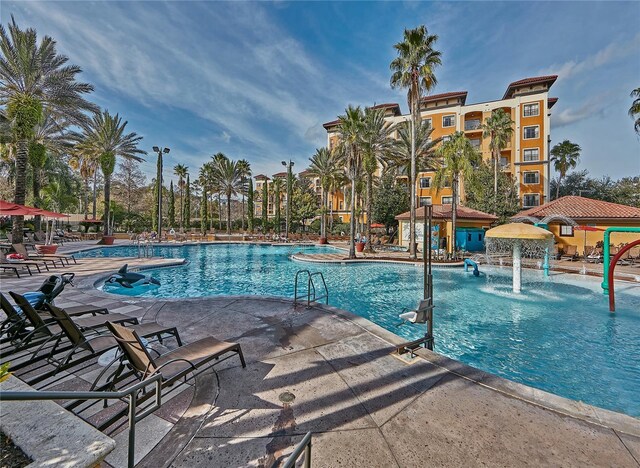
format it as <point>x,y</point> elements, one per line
<point>145,249</point>
<point>311,288</point>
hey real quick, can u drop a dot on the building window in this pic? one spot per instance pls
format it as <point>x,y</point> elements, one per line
<point>531,177</point>
<point>427,123</point>
<point>447,183</point>
<point>425,201</point>
<point>531,110</point>
<point>566,230</point>
<point>530,133</point>
<point>531,154</point>
<point>425,182</point>
<point>447,200</point>
<point>475,143</point>
<point>530,200</point>
<point>449,121</point>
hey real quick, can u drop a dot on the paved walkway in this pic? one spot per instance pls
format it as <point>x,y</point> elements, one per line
<point>330,372</point>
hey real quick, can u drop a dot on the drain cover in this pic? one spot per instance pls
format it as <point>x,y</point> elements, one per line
<point>286,397</point>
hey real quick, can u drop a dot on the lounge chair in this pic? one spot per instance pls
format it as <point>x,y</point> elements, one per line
<point>595,256</point>
<point>175,364</point>
<point>20,249</point>
<point>570,253</point>
<point>7,265</point>
<point>84,348</point>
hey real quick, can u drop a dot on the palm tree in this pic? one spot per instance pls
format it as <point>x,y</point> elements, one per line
<point>376,145</point>
<point>245,172</point>
<point>34,78</point>
<point>459,159</point>
<point>87,166</point>
<point>228,175</point>
<point>324,165</point>
<point>181,171</point>
<point>413,69</point>
<point>399,156</point>
<point>104,138</point>
<point>634,110</point>
<point>276,190</point>
<point>350,129</point>
<point>565,156</point>
<point>499,128</point>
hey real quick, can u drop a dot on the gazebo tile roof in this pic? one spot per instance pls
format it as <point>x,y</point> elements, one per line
<point>576,207</point>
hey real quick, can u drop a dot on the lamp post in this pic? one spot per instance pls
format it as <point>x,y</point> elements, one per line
<point>160,151</point>
<point>289,166</point>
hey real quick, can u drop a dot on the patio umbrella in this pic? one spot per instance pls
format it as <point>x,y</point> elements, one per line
<point>377,226</point>
<point>13,209</point>
<point>586,229</point>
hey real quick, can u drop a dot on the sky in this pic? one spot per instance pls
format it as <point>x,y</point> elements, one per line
<point>256,80</point>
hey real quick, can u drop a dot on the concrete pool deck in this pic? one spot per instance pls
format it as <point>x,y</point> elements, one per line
<point>365,406</point>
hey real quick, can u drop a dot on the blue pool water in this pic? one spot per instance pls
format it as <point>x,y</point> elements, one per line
<point>557,335</point>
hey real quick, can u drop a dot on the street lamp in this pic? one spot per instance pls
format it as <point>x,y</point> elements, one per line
<point>289,188</point>
<point>158,150</point>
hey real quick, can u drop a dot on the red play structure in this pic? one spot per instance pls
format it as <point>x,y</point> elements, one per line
<point>612,266</point>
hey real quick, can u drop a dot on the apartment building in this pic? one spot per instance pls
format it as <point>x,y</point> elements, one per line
<point>526,156</point>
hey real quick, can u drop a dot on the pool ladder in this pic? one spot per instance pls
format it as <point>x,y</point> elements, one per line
<point>145,249</point>
<point>311,293</point>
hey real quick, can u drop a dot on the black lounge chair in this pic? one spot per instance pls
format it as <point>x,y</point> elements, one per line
<point>22,250</point>
<point>7,265</point>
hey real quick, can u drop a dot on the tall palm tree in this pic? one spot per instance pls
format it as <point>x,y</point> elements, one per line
<point>228,175</point>
<point>565,156</point>
<point>398,158</point>
<point>324,166</point>
<point>105,139</point>
<point>350,130</point>
<point>414,69</point>
<point>245,172</point>
<point>34,77</point>
<point>87,166</point>
<point>276,191</point>
<point>459,159</point>
<point>634,110</point>
<point>376,145</point>
<point>499,128</point>
<point>181,171</point>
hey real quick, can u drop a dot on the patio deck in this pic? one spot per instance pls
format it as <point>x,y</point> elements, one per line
<point>365,406</point>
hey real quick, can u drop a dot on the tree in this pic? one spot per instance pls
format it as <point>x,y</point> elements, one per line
<point>499,128</point>
<point>304,202</point>
<point>186,222</point>
<point>389,200</point>
<point>324,166</point>
<point>245,172</point>
<point>104,138</point>
<point>376,145</point>
<point>459,157</point>
<point>276,191</point>
<point>250,205</point>
<point>414,69</point>
<point>172,206</point>
<point>350,129</point>
<point>228,177</point>
<point>181,171</point>
<point>35,79</point>
<point>128,181</point>
<point>480,195</point>
<point>265,206</point>
<point>204,213</point>
<point>634,110</point>
<point>398,158</point>
<point>565,156</point>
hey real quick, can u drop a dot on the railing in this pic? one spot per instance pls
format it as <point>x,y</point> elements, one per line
<point>145,249</point>
<point>311,288</point>
<point>303,446</point>
<point>131,393</point>
<point>472,125</point>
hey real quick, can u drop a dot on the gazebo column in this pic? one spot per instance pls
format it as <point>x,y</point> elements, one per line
<point>517,267</point>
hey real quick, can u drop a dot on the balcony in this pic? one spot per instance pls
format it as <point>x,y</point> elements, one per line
<point>471,125</point>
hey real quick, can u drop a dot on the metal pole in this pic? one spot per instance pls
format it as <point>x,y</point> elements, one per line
<point>289,175</point>
<point>429,292</point>
<point>159,182</point>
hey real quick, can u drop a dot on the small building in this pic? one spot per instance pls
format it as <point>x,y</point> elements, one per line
<point>470,227</point>
<point>564,215</point>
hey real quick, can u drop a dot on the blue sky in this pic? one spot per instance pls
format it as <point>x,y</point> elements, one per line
<point>257,80</point>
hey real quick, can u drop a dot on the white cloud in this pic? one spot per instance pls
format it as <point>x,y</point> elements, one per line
<point>594,107</point>
<point>224,136</point>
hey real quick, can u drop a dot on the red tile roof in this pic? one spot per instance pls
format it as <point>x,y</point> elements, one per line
<point>394,106</point>
<point>551,101</point>
<point>440,97</point>
<point>261,177</point>
<point>529,81</point>
<point>279,175</point>
<point>333,123</point>
<point>575,207</point>
<point>444,212</point>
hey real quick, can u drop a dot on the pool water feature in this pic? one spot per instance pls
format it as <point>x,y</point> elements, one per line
<point>556,335</point>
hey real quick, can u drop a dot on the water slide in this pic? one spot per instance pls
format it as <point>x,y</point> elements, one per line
<point>470,263</point>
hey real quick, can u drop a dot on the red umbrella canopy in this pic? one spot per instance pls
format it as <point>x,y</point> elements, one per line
<point>377,225</point>
<point>13,209</point>
<point>587,228</point>
<point>48,214</point>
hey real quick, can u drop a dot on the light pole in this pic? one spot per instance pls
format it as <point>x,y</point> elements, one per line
<point>158,150</point>
<point>288,165</point>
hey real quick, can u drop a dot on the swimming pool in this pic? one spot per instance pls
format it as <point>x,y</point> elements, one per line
<point>557,335</point>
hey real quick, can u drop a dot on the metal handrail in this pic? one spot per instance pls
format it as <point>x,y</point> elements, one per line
<point>304,445</point>
<point>324,284</point>
<point>131,392</point>
<point>311,288</point>
<point>295,288</point>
